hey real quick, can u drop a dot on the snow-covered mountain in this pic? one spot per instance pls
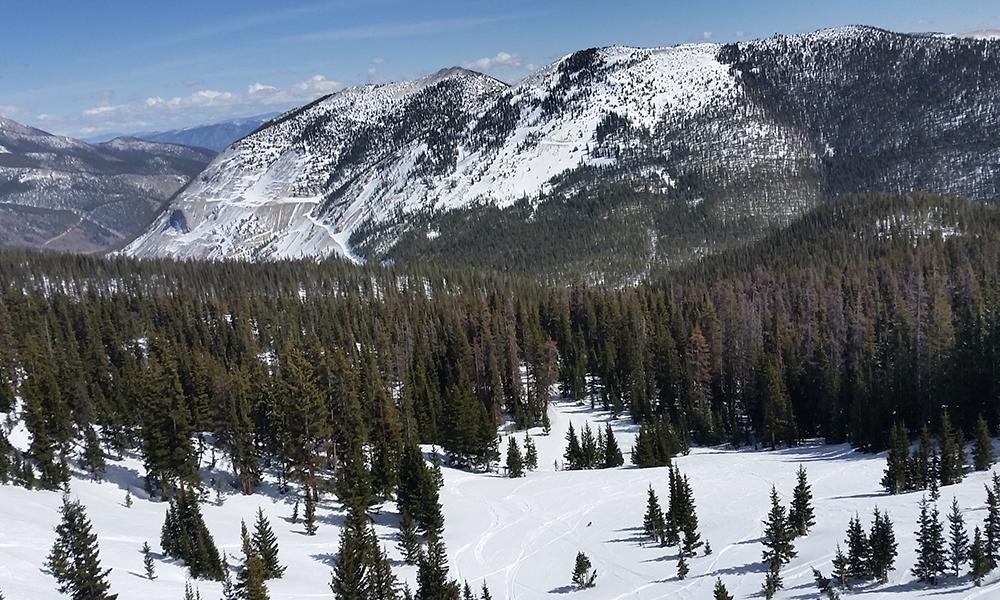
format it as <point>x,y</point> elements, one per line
<point>680,150</point>
<point>60,193</point>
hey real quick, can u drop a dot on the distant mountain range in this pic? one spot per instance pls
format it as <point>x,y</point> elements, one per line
<point>215,136</point>
<point>59,193</point>
<point>607,162</point>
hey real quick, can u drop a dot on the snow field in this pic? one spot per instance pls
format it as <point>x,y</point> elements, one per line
<point>519,535</point>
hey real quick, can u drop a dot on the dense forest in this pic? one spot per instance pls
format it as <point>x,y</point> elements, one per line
<point>864,313</point>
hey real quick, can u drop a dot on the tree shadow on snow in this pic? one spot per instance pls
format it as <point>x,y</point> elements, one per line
<point>327,558</point>
<point>563,589</point>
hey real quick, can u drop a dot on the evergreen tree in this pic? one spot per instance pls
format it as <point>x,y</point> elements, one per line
<point>530,453</point>
<point>515,462</point>
<point>958,539</point>
<point>486,595</point>
<point>612,453</point>
<point>858,551</point>
<point>229,591</point>
<point>930,545</point>
<point>920,464</point>
<point>583,575</point>
<point>250,585</point>
<point>991,528</point>
<point>720,592</point>
<point>951,456</point>
<point>128,498</point>
<point>573,454</point>
<point>682,566</point>
<point>896,471</point>
<point>309,514</point>
<point>983,451</point>
<point>588,448</point>
<point>74,559</point>
<point>350,580</point>
<point>409,543</point>
<point>882,540</point>
<point>295,512</point>
<point>800,514</point>
<point>979,558</point>
<point>147,562</point>
<point>841,568</point>
<point>265,544</point>
<point>432,573</point>
<point>652,523</point>
<point>824,585</point>
<point>778,546</point>
<point>185,537</point>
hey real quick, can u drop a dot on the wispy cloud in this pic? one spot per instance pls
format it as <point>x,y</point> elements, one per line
<point>156,109</point>
<point>500,59</point>
<point>393,30</point>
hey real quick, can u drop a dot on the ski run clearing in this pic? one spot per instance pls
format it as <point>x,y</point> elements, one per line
<point>520,535</point>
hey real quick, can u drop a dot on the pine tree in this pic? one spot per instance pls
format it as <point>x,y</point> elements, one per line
<point>979,558</point>
<point>685,516</point>
<point>882,540</point>
<point>983,451</point>
<point>530,453</point>
<point>895,479</point>
<point>858,551</point>
<point>295,512</point>
<point>128,498</point>
<point>841,568</point>
<point>824,585</point>
<point>583,576</point>
<point>432,573</point>
<point>486,595</point>
<point>933,476</point>
<point>409,544</point>
<point>309,516</point>
<point>652,522</point>
<point>229,591</point>
<point>515,462</point>
<point>720,592</point>
<point>588,448</point>
<point>74,559</point>
<point>800,514</point>
<point>991,528</point>
<point>350,579</point>
<point>778,547</point>
<point>958,539</point>
<point>467,592</point>
<point>147,561</point>
<point>951,461</point>
<point>612,452</point>
<point>573,454</point>
<point>250,583</point>
<point>682,566</point>
<point>184,536</point>
<point>266,547</point>
<point>930,545</point>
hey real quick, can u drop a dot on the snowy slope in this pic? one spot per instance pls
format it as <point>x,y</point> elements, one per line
<point>522,535</point>
<point>753,133</point>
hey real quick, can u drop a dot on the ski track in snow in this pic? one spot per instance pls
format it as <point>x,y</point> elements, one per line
<point>521,536</point>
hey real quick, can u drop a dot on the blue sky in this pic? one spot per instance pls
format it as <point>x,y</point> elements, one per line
<point>80,68</point>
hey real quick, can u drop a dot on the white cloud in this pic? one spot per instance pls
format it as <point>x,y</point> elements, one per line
<point>260,88</point>
<point>9,110</point>
<point>103,109</point>
<point>501,59</point>
<point>317,85</point>
<point>706,35</point>
<point>203,105</point>
<point>378,60</point>
<point>739,34</point>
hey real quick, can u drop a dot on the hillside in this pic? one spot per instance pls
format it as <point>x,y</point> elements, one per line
<point>58,193</point>
<point>607,162</point>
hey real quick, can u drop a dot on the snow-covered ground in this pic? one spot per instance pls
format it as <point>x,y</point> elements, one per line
<point>522,535</point>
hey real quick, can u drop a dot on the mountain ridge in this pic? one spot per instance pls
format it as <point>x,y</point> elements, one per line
<point>60,193</point>
<point>722,133</point>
